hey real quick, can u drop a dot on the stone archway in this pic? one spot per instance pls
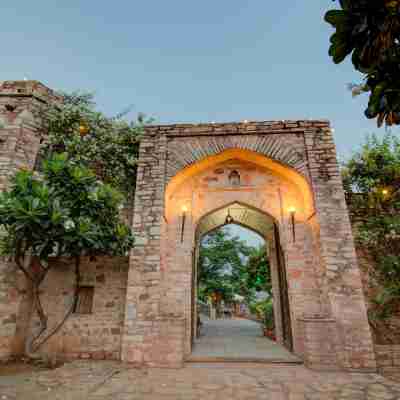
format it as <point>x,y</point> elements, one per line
<point>282,165</point>
<point>268,189</point>
<point>267,228</point>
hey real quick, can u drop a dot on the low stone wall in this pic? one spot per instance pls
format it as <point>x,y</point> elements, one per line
<point>318,352</point>
<point>388,358</point>
<point>96,334</point>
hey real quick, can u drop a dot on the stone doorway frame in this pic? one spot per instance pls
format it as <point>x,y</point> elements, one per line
<point>154,331</point>
<point>271,237</point>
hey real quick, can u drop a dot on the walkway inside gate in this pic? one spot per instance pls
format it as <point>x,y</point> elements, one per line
<point>238,339</point>
<point>230,326</point>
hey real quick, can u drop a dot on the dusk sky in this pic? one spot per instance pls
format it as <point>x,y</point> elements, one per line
<point>188,61</point>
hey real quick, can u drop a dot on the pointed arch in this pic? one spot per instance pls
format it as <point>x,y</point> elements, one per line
<point>243,214</point>
<point>283,171</point>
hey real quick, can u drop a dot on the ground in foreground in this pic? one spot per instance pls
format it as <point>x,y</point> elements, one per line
<point>103,380</point>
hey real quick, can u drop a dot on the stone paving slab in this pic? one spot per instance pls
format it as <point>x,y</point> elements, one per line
<point>101,380</point>
<point>237,339</point>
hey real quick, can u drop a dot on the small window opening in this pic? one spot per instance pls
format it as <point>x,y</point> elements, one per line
<point>84,304</point>
<point>234,178</point>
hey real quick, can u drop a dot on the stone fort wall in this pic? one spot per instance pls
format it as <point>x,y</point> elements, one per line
<point>149,335</point>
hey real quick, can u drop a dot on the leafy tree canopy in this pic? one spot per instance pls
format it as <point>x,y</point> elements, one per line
<point>259,272</point>
<point>108,145</point>
<point>227,265</point>
<point>372,184</point>
<point>65,211</point>
<point>369,31</point>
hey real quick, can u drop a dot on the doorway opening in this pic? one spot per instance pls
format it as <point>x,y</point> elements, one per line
<point>240,306</point>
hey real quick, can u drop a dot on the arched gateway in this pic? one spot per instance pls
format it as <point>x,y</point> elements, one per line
<point>280,179</point>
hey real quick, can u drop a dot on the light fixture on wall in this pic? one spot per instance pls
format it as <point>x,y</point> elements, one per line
<point>184,211</point>
<point>292,212</point>
<point>229,218</point>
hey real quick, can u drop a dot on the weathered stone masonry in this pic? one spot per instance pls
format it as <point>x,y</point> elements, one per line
<point>20,103</point>
<point>143,317</point>
<point>155,334</point>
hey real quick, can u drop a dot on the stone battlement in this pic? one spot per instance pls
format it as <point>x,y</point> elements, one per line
<point>28,89</point>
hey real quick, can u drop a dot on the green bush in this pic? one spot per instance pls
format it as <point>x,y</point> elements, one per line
<point>264,309</point>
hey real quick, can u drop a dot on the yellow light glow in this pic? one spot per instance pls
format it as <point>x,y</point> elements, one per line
<point>83,129</point>
<point>250,156</point>
<point>184,209</point>
<point>292,209</point>
<point>385,192</point>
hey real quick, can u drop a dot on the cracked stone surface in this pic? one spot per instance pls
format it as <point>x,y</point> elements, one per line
<point>103,380</point>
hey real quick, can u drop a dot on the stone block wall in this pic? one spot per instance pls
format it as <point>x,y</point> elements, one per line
<point>320,348</point>
<point>303,150</point>
<point>21,103</point>
<point>20,106</point>
<point>153,333</point>
<point>388,358</point>
<point>97,334</point>
<point>342,281</point>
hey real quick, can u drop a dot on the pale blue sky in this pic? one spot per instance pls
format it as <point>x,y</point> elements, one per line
<point>251,238</point>
<point>187,61</point>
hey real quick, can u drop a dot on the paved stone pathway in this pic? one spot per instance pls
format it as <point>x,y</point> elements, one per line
<point>103,380</point>
<point>237,339</point>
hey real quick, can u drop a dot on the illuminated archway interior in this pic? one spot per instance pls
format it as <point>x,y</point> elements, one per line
<point>260,194</point>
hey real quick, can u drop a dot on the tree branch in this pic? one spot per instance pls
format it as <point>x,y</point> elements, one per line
<point>70,310</point>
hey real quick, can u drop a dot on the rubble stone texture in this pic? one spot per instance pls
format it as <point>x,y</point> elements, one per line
<point>282,164</point>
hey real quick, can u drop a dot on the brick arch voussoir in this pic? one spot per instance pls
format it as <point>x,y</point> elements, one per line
<point>187,153</point>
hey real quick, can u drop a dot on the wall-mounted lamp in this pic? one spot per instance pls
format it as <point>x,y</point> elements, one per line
<point>292,211</point>
<point>184,211</point>
<point>229,218</point>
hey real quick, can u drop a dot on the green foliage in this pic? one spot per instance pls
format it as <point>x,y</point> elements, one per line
<point>109,146</point>
<point>219,256</point>
<point>264,309</point>
<point>372,175</point>
<point>66,211</point>
<point>228,266</point>
<point>375,167</point>
<point>259,272</point>
<point>370,32</point>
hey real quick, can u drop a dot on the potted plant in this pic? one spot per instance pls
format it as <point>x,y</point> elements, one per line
<point>268,321</point>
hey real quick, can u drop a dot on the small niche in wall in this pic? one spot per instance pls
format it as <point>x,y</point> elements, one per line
<point>234,178</point>
<point>84,304</point>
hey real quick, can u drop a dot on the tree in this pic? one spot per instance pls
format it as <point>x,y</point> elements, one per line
<point>259,271</point>
<point>65,211</point>
<point>227,265</point>
<point>220,255</point>
<point>109,146</point>
<point>372,185</point>
<point>370,32</point>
